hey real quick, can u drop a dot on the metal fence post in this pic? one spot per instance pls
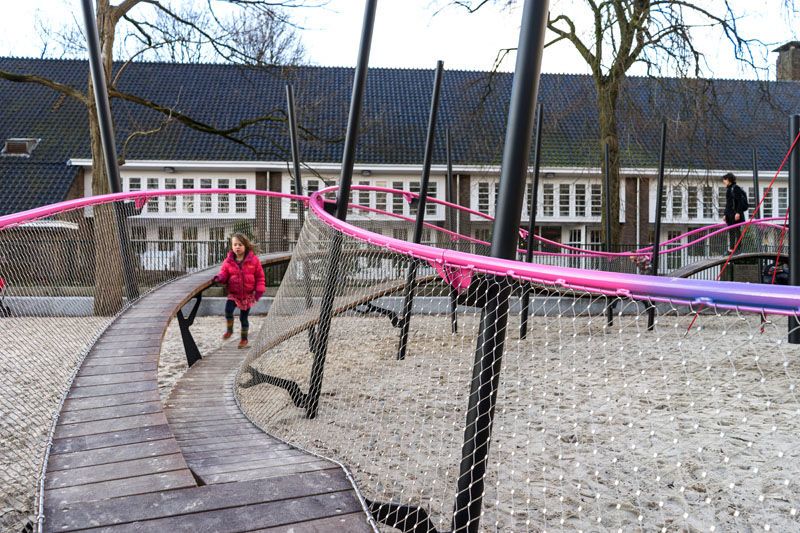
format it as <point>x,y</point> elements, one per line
<point>651,311</point>
<point>609,244</point>
<point>794,222</point>
<point>450,223</point>
<point>489,351</point>
<point>532,201</point>
<point>108,143</point>
<point>320,348</point>
<point>411,275</point>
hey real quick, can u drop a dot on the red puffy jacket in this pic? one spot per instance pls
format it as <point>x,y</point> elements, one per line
<point>245,280</point>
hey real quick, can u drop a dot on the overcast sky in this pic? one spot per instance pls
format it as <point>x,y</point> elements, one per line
<point>409,33</point>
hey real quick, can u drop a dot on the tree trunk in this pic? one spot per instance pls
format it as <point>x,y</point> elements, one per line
<point>108,279</point>
<point>607,95</point>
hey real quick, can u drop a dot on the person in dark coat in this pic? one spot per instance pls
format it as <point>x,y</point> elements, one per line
<point>735,206</point>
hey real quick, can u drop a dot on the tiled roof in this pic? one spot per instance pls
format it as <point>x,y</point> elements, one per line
<point>710,125</point>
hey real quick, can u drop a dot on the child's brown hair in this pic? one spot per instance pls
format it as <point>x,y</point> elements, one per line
<point>242,238</point>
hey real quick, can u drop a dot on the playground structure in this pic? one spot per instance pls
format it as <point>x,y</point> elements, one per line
<point>631,400</point>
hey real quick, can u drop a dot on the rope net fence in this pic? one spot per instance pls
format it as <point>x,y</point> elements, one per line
<point>66,277</point>
<point>588,423</point>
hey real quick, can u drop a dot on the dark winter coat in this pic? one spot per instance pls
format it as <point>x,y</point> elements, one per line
<point>735,202</point>
<point>245,280</point>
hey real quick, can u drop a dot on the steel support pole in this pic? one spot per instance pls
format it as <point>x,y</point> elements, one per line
<point>411,275</point>
<point>532,201</point>
<point>753,214</point>
<point>794,222</point>
<point>107,142</point>
<point>494,318</point>
<point>607,194</point>
<point>651,311</point>
<point>320,348</point>
<point>450,221</point>
<point>298,182</point>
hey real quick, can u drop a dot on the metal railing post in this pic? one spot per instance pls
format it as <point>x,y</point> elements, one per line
<point>607,229</point>
<point>450,223</point>
<point>411,275</point>
<point>794,222</point>
<point>505,239</point>
<point>320,347</point>
<point>651,311</point>
<point>532,201</point>
<point>108,143</point>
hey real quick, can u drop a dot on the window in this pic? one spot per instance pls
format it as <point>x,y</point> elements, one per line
<point>224,202</point>
<point>708,202</point>
<point>526,201</point>
<point>692,202</point>
<point>165,239</point>
<point>19,147</point>
<point>312,186</point>
<point>139,239</point>
<point>595,239</point>
<point>597,199</point>
<point>751,199</point>
<point>380,197</point>
<point>188,199</point>
<point>205,200</point>
<point>397,199</point>
<point>241,199</point>
<point>189,247</point>
<point>135,184</point>
<point>217,246</point>
<point>363,196</point>
<point>548,199</point>
<point>170,203</point>
<point>575,237</point>
<point>663,211</point>
<point>783,201</point>
<point>677,202</point>
<point>766,206</point>
<point>414,186</point>
<point>580,200</point>
<point>430,207</point>
<point>483,234</point>
<point>721,192</point>
<point>152,202</point>
<point>563,199</point>
<point>483,197</point>
<point>400,233</point>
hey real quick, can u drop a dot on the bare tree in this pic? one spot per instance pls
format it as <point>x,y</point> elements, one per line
<point>254,32</point>
<point>613,35</point>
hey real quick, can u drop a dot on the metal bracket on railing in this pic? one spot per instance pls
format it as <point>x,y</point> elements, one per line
<point>184,323</point>
<point>370,307</point>
<point>406,518</point>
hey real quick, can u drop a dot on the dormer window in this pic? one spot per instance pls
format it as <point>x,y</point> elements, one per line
<point>21,147</point>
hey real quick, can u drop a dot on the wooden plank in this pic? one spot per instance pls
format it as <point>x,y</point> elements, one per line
<point>120,487</point>
<point>104,413</point>
<point>114,454</point>
<point>94,402</point>
<point>119,360</point>
<point>197,499</point>
<point>224,453</point>
<point>221,445</point>
<point>254,516</point>
<point>105,390</point>
<point>110,425</point>
<point>265,460</point>
<point>263,473</point>
<point>92,370</point>
<point>194,440</point>
<point>106,472</point>
<point>353,522</point>
<point>117,377</point>
<point>117,438</point>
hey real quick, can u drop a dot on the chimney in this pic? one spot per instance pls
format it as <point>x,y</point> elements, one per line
<point>788,66</point>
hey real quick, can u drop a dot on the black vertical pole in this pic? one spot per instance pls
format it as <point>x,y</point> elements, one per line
<point>450,221</point>
<point>411,275</point>
<point>756,189</point>
<point>345,178</point>
<point>494,318</point>
<point>107,141</point>
<point>298,182</point>
<point>651,312</point>
<point>607,194</point>
<point>794,222</point>
<point>537,157</point>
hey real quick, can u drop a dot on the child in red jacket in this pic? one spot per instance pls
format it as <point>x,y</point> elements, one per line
<point>243,274</point>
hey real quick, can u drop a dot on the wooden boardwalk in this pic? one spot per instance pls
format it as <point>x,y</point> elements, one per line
<point>117,464</point>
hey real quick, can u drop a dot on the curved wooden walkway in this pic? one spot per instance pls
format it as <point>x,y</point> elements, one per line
<point>118,464</point>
